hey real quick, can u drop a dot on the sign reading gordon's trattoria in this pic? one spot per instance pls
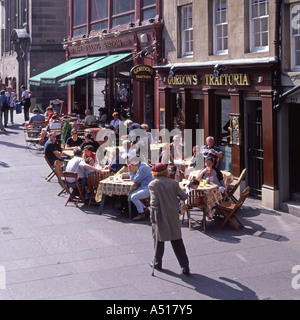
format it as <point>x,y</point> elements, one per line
<point>209,80</point>
<point>142,73</point>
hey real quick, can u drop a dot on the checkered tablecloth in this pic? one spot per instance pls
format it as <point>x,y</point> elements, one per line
<point>112,187</point>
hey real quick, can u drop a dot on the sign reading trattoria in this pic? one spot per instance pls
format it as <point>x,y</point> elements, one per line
<point>227,80</point>
<point>142,73</point>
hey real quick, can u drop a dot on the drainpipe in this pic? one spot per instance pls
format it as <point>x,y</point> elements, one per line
<point>277,97</point>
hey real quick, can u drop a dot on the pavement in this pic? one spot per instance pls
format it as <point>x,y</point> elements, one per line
<point>57,252</point>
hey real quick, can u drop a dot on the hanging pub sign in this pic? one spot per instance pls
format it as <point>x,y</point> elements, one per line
<point>142,73</point>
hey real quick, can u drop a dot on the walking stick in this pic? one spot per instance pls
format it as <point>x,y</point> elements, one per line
<point>154,221</point>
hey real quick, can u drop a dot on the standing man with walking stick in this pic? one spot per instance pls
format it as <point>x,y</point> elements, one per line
<point>164,193</point>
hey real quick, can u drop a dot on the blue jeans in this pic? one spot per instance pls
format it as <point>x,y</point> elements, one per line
<point>138,195</point>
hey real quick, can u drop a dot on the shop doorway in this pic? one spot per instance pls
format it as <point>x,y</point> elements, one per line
<point>195,117</point>
<point>294,154</point>
<point>254,148</point>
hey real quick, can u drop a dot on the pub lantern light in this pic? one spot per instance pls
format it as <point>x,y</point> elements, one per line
<point>218,70</point>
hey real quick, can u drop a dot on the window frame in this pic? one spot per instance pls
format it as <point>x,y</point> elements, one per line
<point>122,14</point>
<point>186,54</point>
<point>97,21</point>
<point>217,50</point>
<point>145,8</point>
<point>294,65</point>
<point>253,47</point>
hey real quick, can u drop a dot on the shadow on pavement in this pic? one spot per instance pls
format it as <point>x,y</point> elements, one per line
<point>225,289</point>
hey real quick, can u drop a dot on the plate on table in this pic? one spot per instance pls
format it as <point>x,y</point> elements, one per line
<point>127,179</point>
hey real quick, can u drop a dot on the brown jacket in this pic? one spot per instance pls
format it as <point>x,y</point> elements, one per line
<point>163,194</point>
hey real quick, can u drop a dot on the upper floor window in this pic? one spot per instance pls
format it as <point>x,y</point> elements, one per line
<point>187,30</point>
<point>259,25</point>
<point>295,41</point>
<point>148,9</point>
<point>79,17</point>
<point>123,12</point>
<point>220,27</point>
<point>99,14</point>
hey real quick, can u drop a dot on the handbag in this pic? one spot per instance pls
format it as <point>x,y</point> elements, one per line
<point>18,108</point>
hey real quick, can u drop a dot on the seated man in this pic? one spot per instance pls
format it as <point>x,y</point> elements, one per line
<point>89,119</point>
<point>36,116</point>
<point>54,124</point>
<point>51,151</point>
<point>88,152</point>
<point>144,177</point>
<point>74,140</point>
<point>78,165</point>
<point>78,110</point>
<point>211,150</point>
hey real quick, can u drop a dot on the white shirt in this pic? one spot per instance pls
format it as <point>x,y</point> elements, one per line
<point>25,94</point>
<point>55,125</point>
<point>76,164</point>
<point>114,123</point>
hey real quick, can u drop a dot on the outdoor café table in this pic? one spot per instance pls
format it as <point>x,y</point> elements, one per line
<point>68,152</point>
<point>114,186</point>
<point>213,197</point>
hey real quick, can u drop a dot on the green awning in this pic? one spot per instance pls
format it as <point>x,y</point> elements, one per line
<point>107,61</point>
<point>50,76</point>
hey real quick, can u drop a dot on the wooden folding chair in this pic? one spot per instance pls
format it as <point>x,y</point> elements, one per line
<point>230,210</point>
<point>94,178</point>
<point>32,137</point>
<point>71,186</point>
<point>196,200</point>
<point>60,176</point>
<point>52,173</point>
<point>234,186</point>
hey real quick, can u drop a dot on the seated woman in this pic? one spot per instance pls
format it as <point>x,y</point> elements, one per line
<point>165,155</point>
<point>212,174</point>
<point>196,162</point>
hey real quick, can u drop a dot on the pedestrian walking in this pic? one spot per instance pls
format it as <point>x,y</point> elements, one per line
<point>164,193</point>
<point>26,100</point>
<point>11,98</point>
<point>1,113</point>
<point>5,107</point>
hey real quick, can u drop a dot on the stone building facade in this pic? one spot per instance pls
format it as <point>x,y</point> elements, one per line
<point>31,42</point>
<point>233,60</point>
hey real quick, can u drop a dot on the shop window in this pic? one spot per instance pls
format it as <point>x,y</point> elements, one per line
<point>220,27</point>
<point>123,12</point>
<point>99,14</point>
<point>259,25</point>
<point>187,36</point>
<point>148,9</point>
<point>79,17</point>
<point>295,41</point>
